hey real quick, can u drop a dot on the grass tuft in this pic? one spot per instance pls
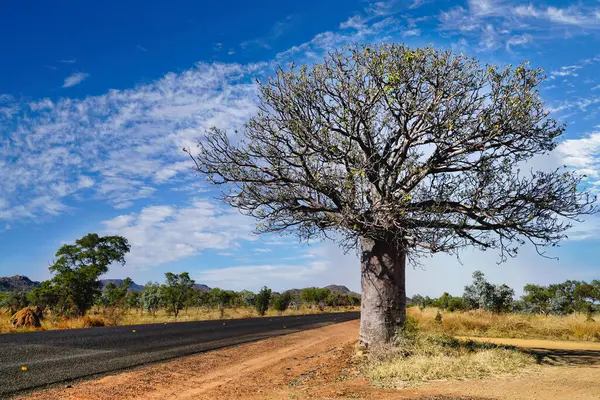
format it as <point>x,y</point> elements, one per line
<point>426,356</point>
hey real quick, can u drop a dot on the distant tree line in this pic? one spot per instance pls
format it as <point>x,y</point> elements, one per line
<point>75,288</point>
<point>557,299</point>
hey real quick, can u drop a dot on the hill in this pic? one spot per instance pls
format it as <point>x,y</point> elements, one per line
<point>134,286</point>
<point>17,283</point>
<point>138,288</point>
<point>201,287</point>
<point>332,288</point>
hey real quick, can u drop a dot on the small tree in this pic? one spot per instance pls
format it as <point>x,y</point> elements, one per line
<point>151,297</point>
<point>282,302</point>
<point>133,300</point>
<point>47,297</point>
<point>261,302</point>
<point>176,291</point>
<point>309,296</point>
<point>354,300</point>
<point>14,301</point>
<point>79,267</point>
<point>455,304</point>
<point>402,152</point>
<point>417,300</point>
<point>115,294</point>
<point>321,297</point>
<point>296,301</point>
<point>536,298</point>
<point>247,298</point>
<point>221,298</point>
<point>484,295</point>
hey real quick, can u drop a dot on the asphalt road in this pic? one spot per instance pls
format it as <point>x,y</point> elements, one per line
<point>53,357</point>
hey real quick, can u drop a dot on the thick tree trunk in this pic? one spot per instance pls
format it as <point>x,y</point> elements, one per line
<point>383,301</point>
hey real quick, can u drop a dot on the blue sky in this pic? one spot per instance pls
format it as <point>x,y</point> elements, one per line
<point>97,100</point>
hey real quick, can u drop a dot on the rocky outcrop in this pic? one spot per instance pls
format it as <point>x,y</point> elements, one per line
<point>17,283</point>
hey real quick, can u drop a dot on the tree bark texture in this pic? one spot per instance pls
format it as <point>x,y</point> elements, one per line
<point>383,301</point>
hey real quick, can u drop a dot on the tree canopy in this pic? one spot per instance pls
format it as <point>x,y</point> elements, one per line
<point>421,148</point>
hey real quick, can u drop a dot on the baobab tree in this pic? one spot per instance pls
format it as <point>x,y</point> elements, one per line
<point>402,152</point>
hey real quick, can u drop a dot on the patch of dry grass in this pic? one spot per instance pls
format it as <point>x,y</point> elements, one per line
<point>481,323</point>
<point>427,356</point>
<point>134,317</point>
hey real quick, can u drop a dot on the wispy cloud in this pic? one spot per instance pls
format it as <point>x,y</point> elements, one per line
<point>279,29</point>
<point>411,32</point>
<point>75,79</point>
<point>572,15</point>
<point>419,3</point>
<point>162,234</point>
<point>570,70</point>
<point>510,22</point>
<point>128,141</point>
<point>68,61</point>
<point>583,155</point>
<point>518,40</point>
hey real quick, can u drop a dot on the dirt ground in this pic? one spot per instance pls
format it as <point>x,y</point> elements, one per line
<point>318,364</point>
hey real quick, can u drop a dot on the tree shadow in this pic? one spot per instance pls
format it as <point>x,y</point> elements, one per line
<point>543,356</point>
<point>565,357</point>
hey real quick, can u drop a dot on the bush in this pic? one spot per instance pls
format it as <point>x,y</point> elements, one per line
<point>261,301</point>
<point>281,303</point>
<point>93,321</point>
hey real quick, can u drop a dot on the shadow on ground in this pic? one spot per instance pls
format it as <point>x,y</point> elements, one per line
<point>565,357</point>
<point>557,357</point>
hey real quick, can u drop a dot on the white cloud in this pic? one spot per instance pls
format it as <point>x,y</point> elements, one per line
<point>512,22</point>
<point>572,15</point>
<point>355,22</point>
<point>569,70</point>
<point>419,3</point>
<point>518,40</point>
<point>582,154</point>
<point>162,234</point>
<point>411,32</point>
<point>41,105</point>
<point>578,104</point>
<point>75,79</point>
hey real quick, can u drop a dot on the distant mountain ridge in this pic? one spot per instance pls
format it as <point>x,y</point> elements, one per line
<point>139,288</point>
<point>20,282</point>
<point>332,288</point>
<point>118,282</point>
<point>17,283</point>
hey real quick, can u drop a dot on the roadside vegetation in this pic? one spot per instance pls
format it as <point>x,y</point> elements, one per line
<point>75,298</point>
<point>483,323</point>
<point>563,311</point>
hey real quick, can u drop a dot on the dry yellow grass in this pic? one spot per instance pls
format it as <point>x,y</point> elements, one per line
<point>481,323</point>
<point>427,356</point>
<point>133,317</point>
